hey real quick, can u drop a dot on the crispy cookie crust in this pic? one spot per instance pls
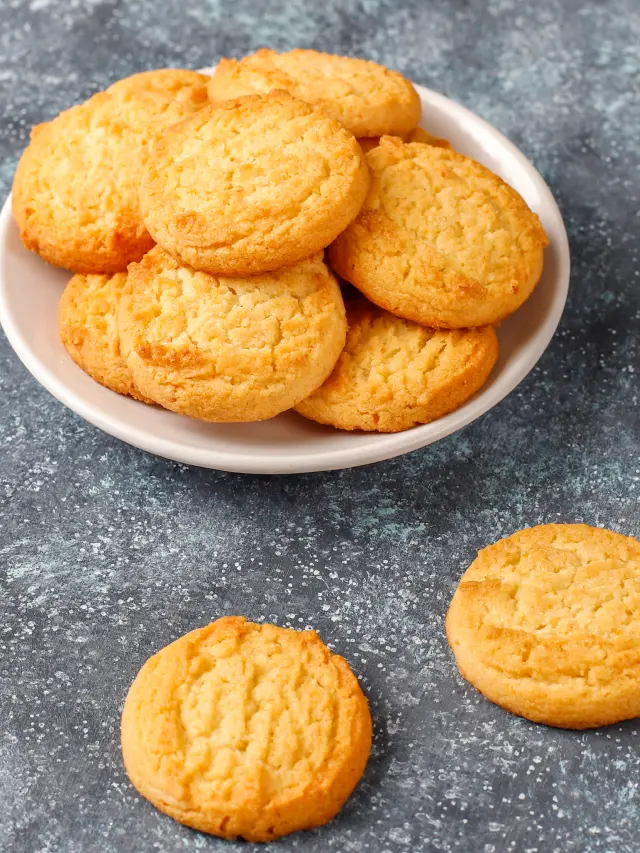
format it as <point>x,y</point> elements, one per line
<point>394,374</point>
<point>88,325</point>
<point>75,192</point>
<point>225,350</point>
<point>440,239</point>
<point>252,185</point>
<point>546,624</point>
<point>367,98</point>
<point>368,143</point>
<point>239,729</point>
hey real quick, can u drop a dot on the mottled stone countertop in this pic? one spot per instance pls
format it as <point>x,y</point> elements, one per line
<point>108,553</point>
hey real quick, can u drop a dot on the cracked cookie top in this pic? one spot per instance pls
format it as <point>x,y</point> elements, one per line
<point>88,326</point>
<point>253,184</point>
<point>394,374</point>
<point>367,98</point>
<point>440,239</point>
<point>240,729</point>
<point>546,623</point>
<point>230,349</point>
<point>75,192</point>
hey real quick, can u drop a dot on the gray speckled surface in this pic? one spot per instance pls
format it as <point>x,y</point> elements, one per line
<point>107,553</point>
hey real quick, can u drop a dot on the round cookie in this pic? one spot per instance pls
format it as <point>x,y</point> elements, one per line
<point>88,325</point>
<point>253,184</point>
<point>75,192</point>
<point>367,98</point>
<point>440,239</point>
<point>229,350</point>
<point>394,374</point>
<point>240,729</point>
<point>546,624</point>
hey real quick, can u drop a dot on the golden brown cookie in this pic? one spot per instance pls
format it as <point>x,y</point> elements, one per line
<point>230,349</point>
<point>171,94</point>
<point>240,729</point>
<point>251,185</point>
<point>367,98</point>
<point>394,374</point>
<point>440,239</point>
<point>368,143</point>
<point>419,134</point>
<point>75,193</point>
<point>88,325</point>
<point>546,623</point>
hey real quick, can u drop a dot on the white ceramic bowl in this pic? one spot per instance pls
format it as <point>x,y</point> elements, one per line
<point>30,290</point>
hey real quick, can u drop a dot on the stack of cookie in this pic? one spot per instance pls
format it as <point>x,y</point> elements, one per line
<point>195,212</point>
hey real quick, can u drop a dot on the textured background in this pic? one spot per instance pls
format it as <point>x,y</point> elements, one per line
<point>107,553</point>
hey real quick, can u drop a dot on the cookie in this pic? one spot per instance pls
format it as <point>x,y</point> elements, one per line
<point>367,143</point>
<point>225,350</point>
<point>546,624</point>
<point>170,94</point>
<point>419,134</point>
<point>75,192</point>
<point>253,184</point>
<point>367,98</point>
<point>394,374</point>
<point>239,729</point>
<point>87,321</point>
<point>440,240</point>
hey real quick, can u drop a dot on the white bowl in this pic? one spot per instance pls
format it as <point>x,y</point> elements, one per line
<point>30,290</point>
